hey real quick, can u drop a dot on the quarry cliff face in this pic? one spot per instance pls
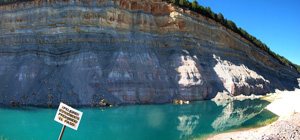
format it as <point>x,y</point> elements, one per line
<point>126,51</point>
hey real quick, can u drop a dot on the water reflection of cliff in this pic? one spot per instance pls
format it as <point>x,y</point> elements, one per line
<point>171,121</point>
<point>140,122</point>
<point>188,124</point>
<point>236,113</point>
<point>210,117</point>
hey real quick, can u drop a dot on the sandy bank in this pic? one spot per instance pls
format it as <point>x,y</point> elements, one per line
<point>285,104</point>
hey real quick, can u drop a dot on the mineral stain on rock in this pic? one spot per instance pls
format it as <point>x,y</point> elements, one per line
<point>129,51</point>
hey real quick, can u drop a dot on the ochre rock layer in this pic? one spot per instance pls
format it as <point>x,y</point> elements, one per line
<point>126,51</point>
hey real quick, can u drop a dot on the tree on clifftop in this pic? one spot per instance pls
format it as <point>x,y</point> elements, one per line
<point>195,5</point>
<point>220,18</point>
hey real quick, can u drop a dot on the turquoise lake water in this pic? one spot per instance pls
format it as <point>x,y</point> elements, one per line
<point>135,122</point>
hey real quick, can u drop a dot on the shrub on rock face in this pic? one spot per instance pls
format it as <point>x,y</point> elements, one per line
<point>103,102</point>
<point>14,103</point>
<point>49,104</point>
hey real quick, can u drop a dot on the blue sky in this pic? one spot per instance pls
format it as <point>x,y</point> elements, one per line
<point>274,22</point>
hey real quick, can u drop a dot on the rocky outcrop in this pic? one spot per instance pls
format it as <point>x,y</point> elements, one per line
<point>126,51</point>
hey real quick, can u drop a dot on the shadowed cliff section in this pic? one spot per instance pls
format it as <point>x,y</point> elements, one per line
<point>126,51</point>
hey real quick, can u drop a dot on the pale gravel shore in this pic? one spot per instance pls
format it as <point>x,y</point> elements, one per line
<point>286,104</point>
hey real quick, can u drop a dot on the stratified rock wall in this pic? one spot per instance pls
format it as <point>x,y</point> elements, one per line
<point>125,51</point>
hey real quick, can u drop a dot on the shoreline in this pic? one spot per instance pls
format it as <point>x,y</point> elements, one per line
<point>284,104</point>
<point>217,101</point>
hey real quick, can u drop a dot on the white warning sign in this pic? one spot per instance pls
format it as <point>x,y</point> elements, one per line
<point>68,116</point>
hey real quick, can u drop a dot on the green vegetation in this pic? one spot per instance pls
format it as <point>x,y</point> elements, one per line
<point>266,122</point>
<point>207,12</point>
<point>268,98</point>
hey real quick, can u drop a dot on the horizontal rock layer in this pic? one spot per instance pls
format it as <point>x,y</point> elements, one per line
<point>126,51</point>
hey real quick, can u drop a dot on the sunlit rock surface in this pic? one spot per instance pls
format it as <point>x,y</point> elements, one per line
<point>125,51</point>
<point>239,79</point>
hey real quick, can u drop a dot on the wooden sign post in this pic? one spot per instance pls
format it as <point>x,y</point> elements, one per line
<point>67,116</point>
<point>62,132</point>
